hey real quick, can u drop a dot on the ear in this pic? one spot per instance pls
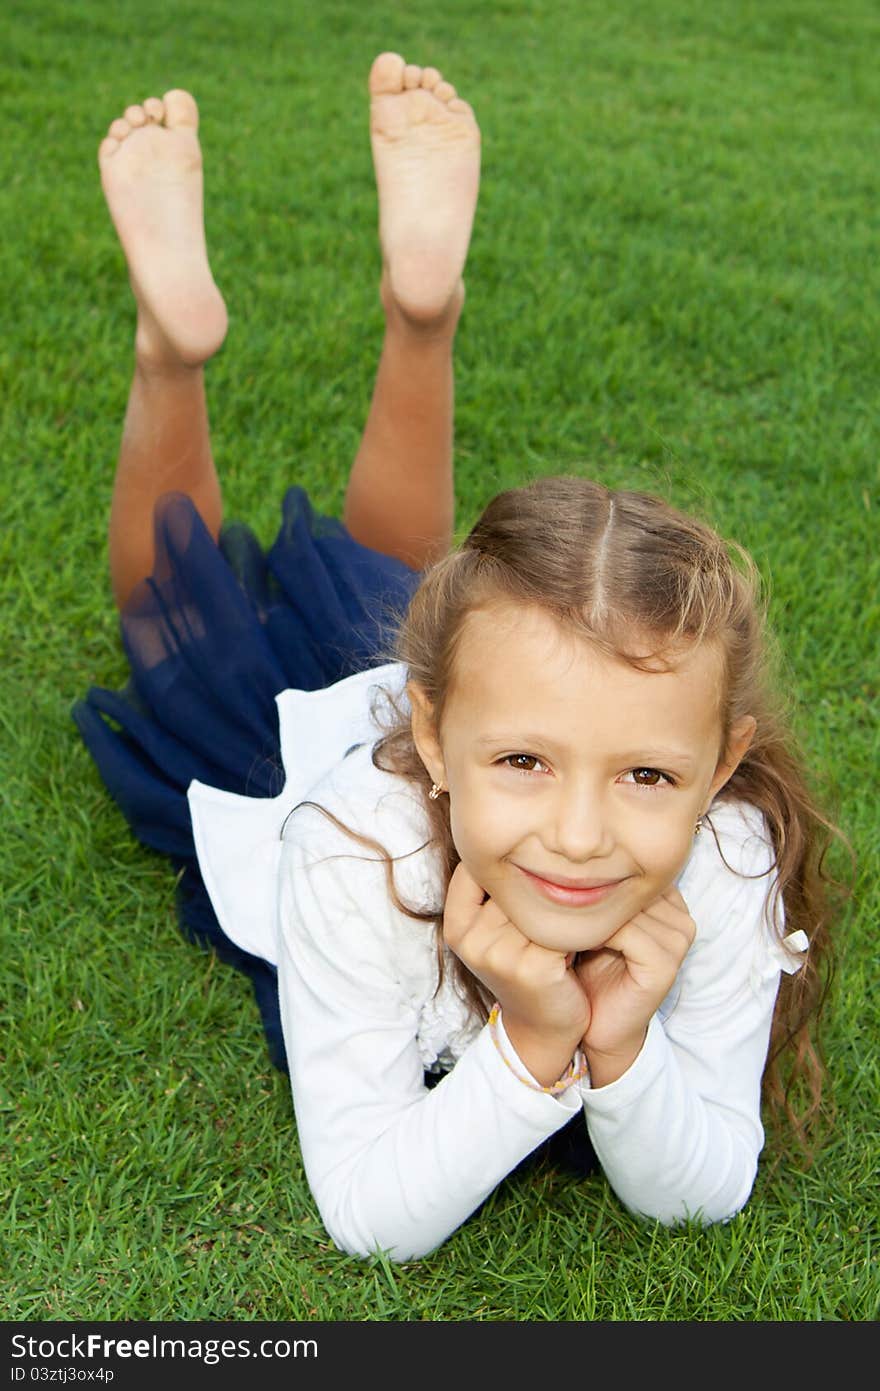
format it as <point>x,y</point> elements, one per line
<point>741,735</point>
<point>425,736</point>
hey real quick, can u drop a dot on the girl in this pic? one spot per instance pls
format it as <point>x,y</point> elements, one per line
<point>536,877</point>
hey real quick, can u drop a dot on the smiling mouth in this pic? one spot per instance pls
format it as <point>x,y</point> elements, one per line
<point>571,891</point>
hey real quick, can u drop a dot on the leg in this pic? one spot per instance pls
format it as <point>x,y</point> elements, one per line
<point>165,448</point>
<point>151,171</point>
<point>400,496</point>
<point>426,149</point>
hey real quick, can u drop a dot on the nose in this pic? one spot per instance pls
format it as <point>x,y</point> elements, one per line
<point>580,828</point>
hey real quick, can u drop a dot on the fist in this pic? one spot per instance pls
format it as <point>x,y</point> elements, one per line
<point>543,1004</point>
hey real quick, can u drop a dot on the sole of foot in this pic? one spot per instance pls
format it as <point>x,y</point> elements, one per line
<point>151,173</point>
<point>426,154</point>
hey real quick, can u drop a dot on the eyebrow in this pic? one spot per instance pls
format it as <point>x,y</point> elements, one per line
<point>523,739</point>
<point>520,738</point>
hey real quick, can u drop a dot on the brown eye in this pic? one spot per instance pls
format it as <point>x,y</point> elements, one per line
<point>646,777</point>
<point>523,762</point>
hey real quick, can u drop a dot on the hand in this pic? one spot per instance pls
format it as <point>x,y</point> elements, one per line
<point>543,1005</point>
<point>626,979</point>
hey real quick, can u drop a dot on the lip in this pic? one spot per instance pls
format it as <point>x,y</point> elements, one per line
<point>576,894</point>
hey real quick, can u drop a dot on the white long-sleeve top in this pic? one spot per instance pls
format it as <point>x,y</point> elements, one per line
<point>394,1165</point>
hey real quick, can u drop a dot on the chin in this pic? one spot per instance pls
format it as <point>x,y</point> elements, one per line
<point>572,941</point>
<point>565,929</point>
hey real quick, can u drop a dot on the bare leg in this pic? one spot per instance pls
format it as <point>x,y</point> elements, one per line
<point>165,448</point>
<point>426,150</point>
<point>151,171</point>
<point>400,492</point>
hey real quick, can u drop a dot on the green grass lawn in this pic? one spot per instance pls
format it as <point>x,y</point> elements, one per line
<point>673,285</point>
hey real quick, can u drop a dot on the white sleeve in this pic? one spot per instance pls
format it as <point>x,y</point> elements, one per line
<point>679,1134</point>
<point>392,1165</point>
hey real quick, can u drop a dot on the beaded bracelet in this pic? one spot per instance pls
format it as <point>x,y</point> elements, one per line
<point>576,1069</point>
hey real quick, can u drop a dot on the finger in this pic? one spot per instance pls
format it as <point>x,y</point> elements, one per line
<point>487,933</point>
<point>466,901</point>
<point>651,945</point>
<point>677,929</point>
<point>464,894</point>
<point>673,897</point>
<point>511,967</point>
<point>670,910</point>
<point>669,902</point>
<point>663,916</point>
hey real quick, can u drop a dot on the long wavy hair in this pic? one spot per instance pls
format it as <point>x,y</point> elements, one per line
<point>619,568</point>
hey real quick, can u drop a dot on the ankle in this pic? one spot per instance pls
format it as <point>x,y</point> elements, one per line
<point>154,364</point>
<point>158,352</point>
<point>440,328</point>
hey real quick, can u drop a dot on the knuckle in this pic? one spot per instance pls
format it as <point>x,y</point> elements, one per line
<point>495,958</point>
<point>454,930</point>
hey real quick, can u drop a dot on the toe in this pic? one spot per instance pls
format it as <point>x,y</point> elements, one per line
<point>119,129</point>
<point>154,110</point>
<point>107,147</point>
<point>412,76</point>
<point>135,116</point>
<point>386,74</point>
<point>444,91</point>
<point>180,109</point>
<point>430,78</point>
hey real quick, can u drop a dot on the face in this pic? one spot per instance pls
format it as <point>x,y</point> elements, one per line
<point>575,780</point>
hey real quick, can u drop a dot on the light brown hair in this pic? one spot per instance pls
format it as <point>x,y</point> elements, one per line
<point>628,572</point>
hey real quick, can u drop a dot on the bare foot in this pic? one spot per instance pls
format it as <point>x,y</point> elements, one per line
<point>151,172</point>
<point>426,152</point>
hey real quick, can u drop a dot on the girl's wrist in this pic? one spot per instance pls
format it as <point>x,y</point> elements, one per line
<point>606,1066</point>
<point>553,1062</point>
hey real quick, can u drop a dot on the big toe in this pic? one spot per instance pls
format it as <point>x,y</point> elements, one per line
<point>180,110</point>
<point>386,74</point>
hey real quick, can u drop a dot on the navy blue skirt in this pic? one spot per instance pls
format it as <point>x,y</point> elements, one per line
<point>211,638</point>
<point>215,633</point>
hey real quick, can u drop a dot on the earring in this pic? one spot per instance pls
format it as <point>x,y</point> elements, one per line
<point>436,789</point>
<point>699,826</point>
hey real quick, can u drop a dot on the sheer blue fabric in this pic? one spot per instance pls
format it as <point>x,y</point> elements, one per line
<point>211,638</point>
